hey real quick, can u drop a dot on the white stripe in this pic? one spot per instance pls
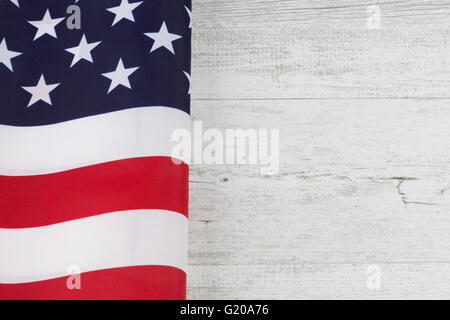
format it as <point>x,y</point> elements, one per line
<point>130,133</point>
<point>120,239</point>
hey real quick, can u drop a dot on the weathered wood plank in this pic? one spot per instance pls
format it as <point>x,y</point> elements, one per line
<point>256,49</point>
<point>319,281</point>
<point>361,182</point>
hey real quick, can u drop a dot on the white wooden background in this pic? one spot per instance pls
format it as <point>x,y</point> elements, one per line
<point>364,119</point>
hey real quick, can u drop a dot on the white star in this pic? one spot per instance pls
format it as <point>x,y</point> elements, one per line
<point>188,76</point>
<point>6,55</point>
<point>119,76</point>
<point>124,11</point>
<point>83,51</point>
<point>41,91</point>
<point>46,25</point>
<point>163,38</point>
<point>16,2</point>
<point>189,12</point>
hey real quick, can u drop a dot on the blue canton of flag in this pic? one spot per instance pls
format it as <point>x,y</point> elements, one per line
<point>126,54</point>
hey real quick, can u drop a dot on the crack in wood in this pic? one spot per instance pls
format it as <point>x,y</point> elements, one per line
<point>403,196</point>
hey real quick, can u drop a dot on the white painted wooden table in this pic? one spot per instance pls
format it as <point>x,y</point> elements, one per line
<point>364,119</point>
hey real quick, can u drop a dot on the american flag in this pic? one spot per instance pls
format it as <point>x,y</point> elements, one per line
<point>92,206</point>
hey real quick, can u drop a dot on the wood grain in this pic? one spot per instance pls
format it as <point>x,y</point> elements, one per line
<point>361,182</point>
<point>364,150</point>
<point>256,49</point>
<point>319,281</point>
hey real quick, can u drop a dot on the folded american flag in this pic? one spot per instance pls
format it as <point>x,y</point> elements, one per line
<point>92,206</point>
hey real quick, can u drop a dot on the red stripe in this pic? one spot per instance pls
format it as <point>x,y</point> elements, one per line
<point>128,283</point>
<point>132,184</point>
